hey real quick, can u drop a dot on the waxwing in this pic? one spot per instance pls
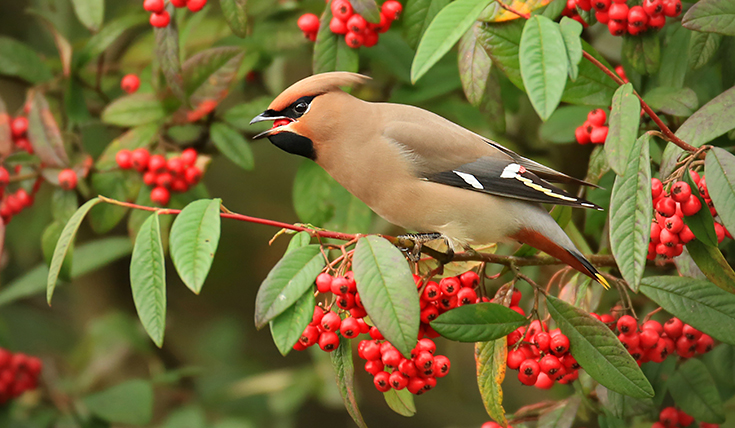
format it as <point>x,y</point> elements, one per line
<point>422,172</point>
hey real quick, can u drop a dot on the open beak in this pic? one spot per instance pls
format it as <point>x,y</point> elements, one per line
<point>279,121</point>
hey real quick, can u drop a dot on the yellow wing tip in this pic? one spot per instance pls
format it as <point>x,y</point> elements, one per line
<point>602,281</point>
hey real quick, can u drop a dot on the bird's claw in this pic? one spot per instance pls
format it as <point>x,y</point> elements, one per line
<point>419,239</point>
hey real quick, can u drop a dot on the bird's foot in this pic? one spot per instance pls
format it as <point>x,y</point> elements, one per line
<point>420,239</point>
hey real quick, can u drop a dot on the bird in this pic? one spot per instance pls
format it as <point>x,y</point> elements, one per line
<point>421,171</point>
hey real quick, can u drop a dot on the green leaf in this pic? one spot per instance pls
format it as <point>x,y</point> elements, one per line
<point>417,15</point>
<point>400,402</point>
<point>209,74</point>
<point>711,16</point>
<point>300,239</point>
<point>643,52</point>
<point>91,13</point>
<point>624,120</point>
<point>562,123</point>
<point>501,41</point>
<point>287,328</point>
<point>129,402</point>
<point>240,115</point>
<point>331,53</point>
<point>571,30</point>
<point>543,64</point>
<point>720,169</point>
<point>90,256</point>
<point>6,138</point>
<point>621,406</point>
<point>134,138</point>
<point>712,264</point>
<point>63,205</point>
<point>674,58</point>
<point>286,282</point>
<point>344,374</point>
<point>44,134</point>
<point>48,243</point>
<point>562,415</point>
<point>75,104</point>
<point>387,290</point>
<point>148,279</point>
<point>19,60</point>
<point>66,240</point>
<point>62,46</point>
<point>235,13</point>
<point>99,42</point>
<point>696,302</point>
<point>119,185</point>
<point>194,238</point>
<point>490,359</point>
<point>702,47</point>
<point>474,65</point>
<point>592,87</point>
<point>167,54</point>
<point>658,374</point>
<point>445,30</point>
<point>134,110</point>
<point>630,214</point>
<point>677,102</point>
<point>702,224</point>
<point>695,392</point>
<point>232,144</point>
<point>598,165</point>
<point>368,9</point>
<point>481,322</point>
<point>598,351</point>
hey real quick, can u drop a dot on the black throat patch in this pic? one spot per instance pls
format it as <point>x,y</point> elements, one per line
<point>294,143</point>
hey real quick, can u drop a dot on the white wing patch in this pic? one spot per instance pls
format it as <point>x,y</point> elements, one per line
<point>469,179</point>
<point>515,170</point>
<point>512,170</point>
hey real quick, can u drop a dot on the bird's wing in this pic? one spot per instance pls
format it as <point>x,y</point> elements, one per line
<point>509,179</point>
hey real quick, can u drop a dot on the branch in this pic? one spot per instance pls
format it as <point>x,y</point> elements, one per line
<point>664,129</point>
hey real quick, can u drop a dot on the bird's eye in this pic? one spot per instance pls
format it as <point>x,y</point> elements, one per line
<point>301,108</point>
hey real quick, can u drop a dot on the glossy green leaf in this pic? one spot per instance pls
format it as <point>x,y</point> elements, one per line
<point>387,290</point>
<point>368,9</point>
<point>344,374</point>
<point>286,282</point>
<point>563,122</point>
<point>287,327</point>
<point>48,243</point>
<point>695,392</point>
<point>232,144</point>
<point>702,47</point>
<point>44,133</point>
<point>674,58</point>
<point>417,15</point>
<point>63,46</point>
<point>235,13</point>
<point>141,136</point>
<point>66,240</point>
<point>134,110</point>
<point>400,402</point>
<point>643,52</point>
<point>445,30</point>
<point>543,61</point>
<point>490,359</point>
<point>474,65</point>
<point>209,74</point>
<point>560,416</point>
<point>99,42</point>
<point>696,302</point>
<point>658,374</point>
<point>148,279</point>
<point>168,56</point>
<point>481,322</point>
<point>331,53</point>
<point>624,407</point>
<point>240,115</point>
<point>501,41</point>
<point>91,13</point>
<point>592,87</point>
<point>623,132</point>
<point>19,60</point>
<point>63,205</point>
<point>571,31</point>
<point>119,185</point>
<point>711,16</point>
<point>702,224</point>
<point>598,351</point>
<point>130,402</point>
<point>630,214</point>
<point>712,264</point>
<point>676,102</point>
<point>90,256</point>
<point>598,165</point>
<point>194,238</point>
<point>298,240</point>
<point>720,169</point>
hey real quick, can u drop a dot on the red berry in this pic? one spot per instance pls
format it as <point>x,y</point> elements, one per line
<point>424,361</point>
<point>672,8</point>
<point>705,343</point>
<point>653,7</point>
<point>528,372</point>
<point>669,417</point>
<point>156,163</point>
<point>374,367</point>
<point>602,17</point>
<point>680,191</point>
<point>160,20</point>
<point>337,26</point>
<point>331,321</point>
<point>657,188</point>
<point>686,235</point>
<point>196,5</point>
<point>391,357</point>
<point>450,285</point>
<point>598,134</point>
<point>342,9</point>
<point>175,165</point>
<point>67,179</point>
<point>618,12</point>
<point>466,296</point>
<point>691,206</point>
<point>542,341</point>
<point>155,6</point>
<point>585,5</point>
<point>648,338</point>
<point>544,381</point>
<point>179,3</point>
<point>653,325</point>
<point>617,28</point>
<point>674,224</point>
<point>442,365</point>
<point>666,207</point>
<point>416,385</point>
<point>515,298</point>
<point>397,380</point>
<point>139,159</point>
<point>19,126</point>
<point>350,328</point>
<point>637,17</point>
<point>309,336</point>
<point>550,364</point>
<point>308,23</point>
<point>324,282</point>
<point>382,26</point>
<point>684,419</point>
<point>192,175</point>
<point>375,333</point>
<point>160,195</point>
<point>515,358</point>
<point>691,333</point>
<point>356,23</point>
<point>597,117</point>
<point>370,38</point>
<point>720,232</point>
<point>4,176</point>
<point>189,156</point>
<point>559,345</point>
<point>124,159</point>
<point>627,324</point>
<point>601,5</point>
<point>582,135</point>
<point>656,21</point>
<point>340,285</point>
<point>353,40</point>
<point>391,9</point>
<point>431,292</point>
<point>469,279</point>
<point>328,341</point>
<point>371,351</point>
<point>164,180</point>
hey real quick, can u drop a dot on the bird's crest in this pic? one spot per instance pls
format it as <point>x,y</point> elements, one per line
<point>316,85</point>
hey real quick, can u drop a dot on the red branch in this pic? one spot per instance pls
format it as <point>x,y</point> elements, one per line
<point>664,129</point>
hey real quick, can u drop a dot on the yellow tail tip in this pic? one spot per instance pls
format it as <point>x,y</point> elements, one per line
<point>602,281</point>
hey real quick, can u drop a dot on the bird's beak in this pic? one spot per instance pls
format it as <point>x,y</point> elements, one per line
<point>270,115</point>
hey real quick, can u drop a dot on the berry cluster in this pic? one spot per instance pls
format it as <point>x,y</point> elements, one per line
<point>652,341</point>
<point>176,174</point>
<point>18,373</point>
<point>668,231</point>
<point>356,29</point>
<point>570,10</point>
<point>593,130</point>
<point>540,355</point>
<point>130,83</point>
<point>622,19</point>
<point>19,133</point>
<point>160,16</point>
<point>671,417</point>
